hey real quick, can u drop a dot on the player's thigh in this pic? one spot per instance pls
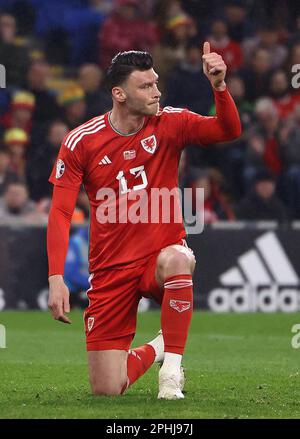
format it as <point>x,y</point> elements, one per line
<point>110,318</point>
<point>107,371</point>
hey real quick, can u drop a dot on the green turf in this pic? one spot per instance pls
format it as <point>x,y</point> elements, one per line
<point>238,366</point>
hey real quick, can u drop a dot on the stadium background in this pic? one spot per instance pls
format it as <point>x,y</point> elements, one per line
<point>55,54</point>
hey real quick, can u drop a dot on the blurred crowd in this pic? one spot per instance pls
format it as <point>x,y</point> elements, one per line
<point>56,54</point>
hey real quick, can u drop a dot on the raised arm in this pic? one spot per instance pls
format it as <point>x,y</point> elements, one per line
<point>226,125</point>
<point>62,208</point>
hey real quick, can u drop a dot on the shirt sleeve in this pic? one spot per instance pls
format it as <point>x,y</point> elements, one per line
<point>60,216</point>
<point>68,168</point>
<point>206,130</point>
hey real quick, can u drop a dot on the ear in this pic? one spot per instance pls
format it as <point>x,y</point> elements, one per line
<point>119,94</point>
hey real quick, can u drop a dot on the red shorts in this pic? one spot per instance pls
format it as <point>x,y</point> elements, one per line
<point>110,318</point>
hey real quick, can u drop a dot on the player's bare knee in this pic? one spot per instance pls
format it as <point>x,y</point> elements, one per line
<point>108,389</point>
<point>176,260</point>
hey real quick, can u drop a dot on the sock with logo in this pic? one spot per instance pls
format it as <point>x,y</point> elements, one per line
<point>138,362</point>
<point>176,313</point>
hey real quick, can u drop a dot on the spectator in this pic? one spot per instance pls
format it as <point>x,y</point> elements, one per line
<point>15,204</point>
<point>263,149</point>
<point>262,203</point>
<point>256,76</point>
<point>125,29</point>
<point>237,90</point>
<point>46,108</point>
<point>283,99</point>
<point>16,141</point>
<point>294,57</point>
<point>20,112</point>
<point>220,42</point>
<point>267,38</point>
<point>215,207</point>
<point>41,158</point>
<point>187,86</point>
<point>14,57</point>
<point>289,187</point>
<point>6,174</point>
<point>179,29</point>
<point>239,25</point>
<point>98,101</point>
<point>74,107</point>
<point>231,158</point>
<point>166,9</point>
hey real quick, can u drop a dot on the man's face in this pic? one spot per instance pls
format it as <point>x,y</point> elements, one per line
<point>90,78</point>
<point>38,75</point>
<point>265,189</point>
<point>7,28</point>
<point>141,93</point>
<point>16,197</point>
<point>22,115</point>
<point>279,84</point>
<point>75,111</point>
<point>261,62</point>
<point>17,151</point>
<point>219,29</point>
<point>57,132</point>
<point>236,88</point>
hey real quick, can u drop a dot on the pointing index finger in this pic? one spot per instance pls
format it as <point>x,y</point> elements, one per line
<point>206,48</point>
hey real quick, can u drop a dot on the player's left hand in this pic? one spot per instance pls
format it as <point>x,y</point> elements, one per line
<point>214,67</point>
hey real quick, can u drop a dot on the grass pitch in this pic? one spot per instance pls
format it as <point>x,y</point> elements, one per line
<point>238,366</point>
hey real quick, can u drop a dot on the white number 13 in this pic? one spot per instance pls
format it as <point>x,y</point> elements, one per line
<point>139,171</point>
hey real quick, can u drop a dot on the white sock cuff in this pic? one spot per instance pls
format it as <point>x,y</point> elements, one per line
<point>172,360</point>
<point>178,283</point>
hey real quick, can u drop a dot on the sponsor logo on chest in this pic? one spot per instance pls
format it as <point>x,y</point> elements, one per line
<point>129,155</point>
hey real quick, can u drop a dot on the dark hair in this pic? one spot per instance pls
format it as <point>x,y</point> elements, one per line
<point>124,63</point>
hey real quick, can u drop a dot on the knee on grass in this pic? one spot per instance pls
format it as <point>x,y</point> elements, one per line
<point>108,389</point>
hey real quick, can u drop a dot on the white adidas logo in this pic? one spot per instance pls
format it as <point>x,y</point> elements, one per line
<point>263,280</point>
<point>105,161</point>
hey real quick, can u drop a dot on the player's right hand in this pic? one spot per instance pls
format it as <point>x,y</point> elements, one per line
<point>59,299</point>
<point>214,67</point>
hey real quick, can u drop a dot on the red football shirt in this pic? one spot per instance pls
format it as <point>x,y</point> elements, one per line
<point>99,157</point>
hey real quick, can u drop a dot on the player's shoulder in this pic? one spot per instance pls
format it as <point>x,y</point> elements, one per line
<point>167,111</point>
<point>86,130</point>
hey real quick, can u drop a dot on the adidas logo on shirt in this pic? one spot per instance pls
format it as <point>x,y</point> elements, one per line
<point>105,161</point>
<point>263,280</point>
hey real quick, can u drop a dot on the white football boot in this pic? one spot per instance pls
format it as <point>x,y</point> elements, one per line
<point>182,378</point>
<point>171,382</point>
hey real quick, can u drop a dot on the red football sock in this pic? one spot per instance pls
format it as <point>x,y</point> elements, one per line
<point>176,312</point>
<point>138,362</point>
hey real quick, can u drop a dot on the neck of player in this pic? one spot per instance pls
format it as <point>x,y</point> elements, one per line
<point>124,122</point>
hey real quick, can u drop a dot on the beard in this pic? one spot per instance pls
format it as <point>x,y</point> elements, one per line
<point>142,109</point>
<point>153,109</point>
